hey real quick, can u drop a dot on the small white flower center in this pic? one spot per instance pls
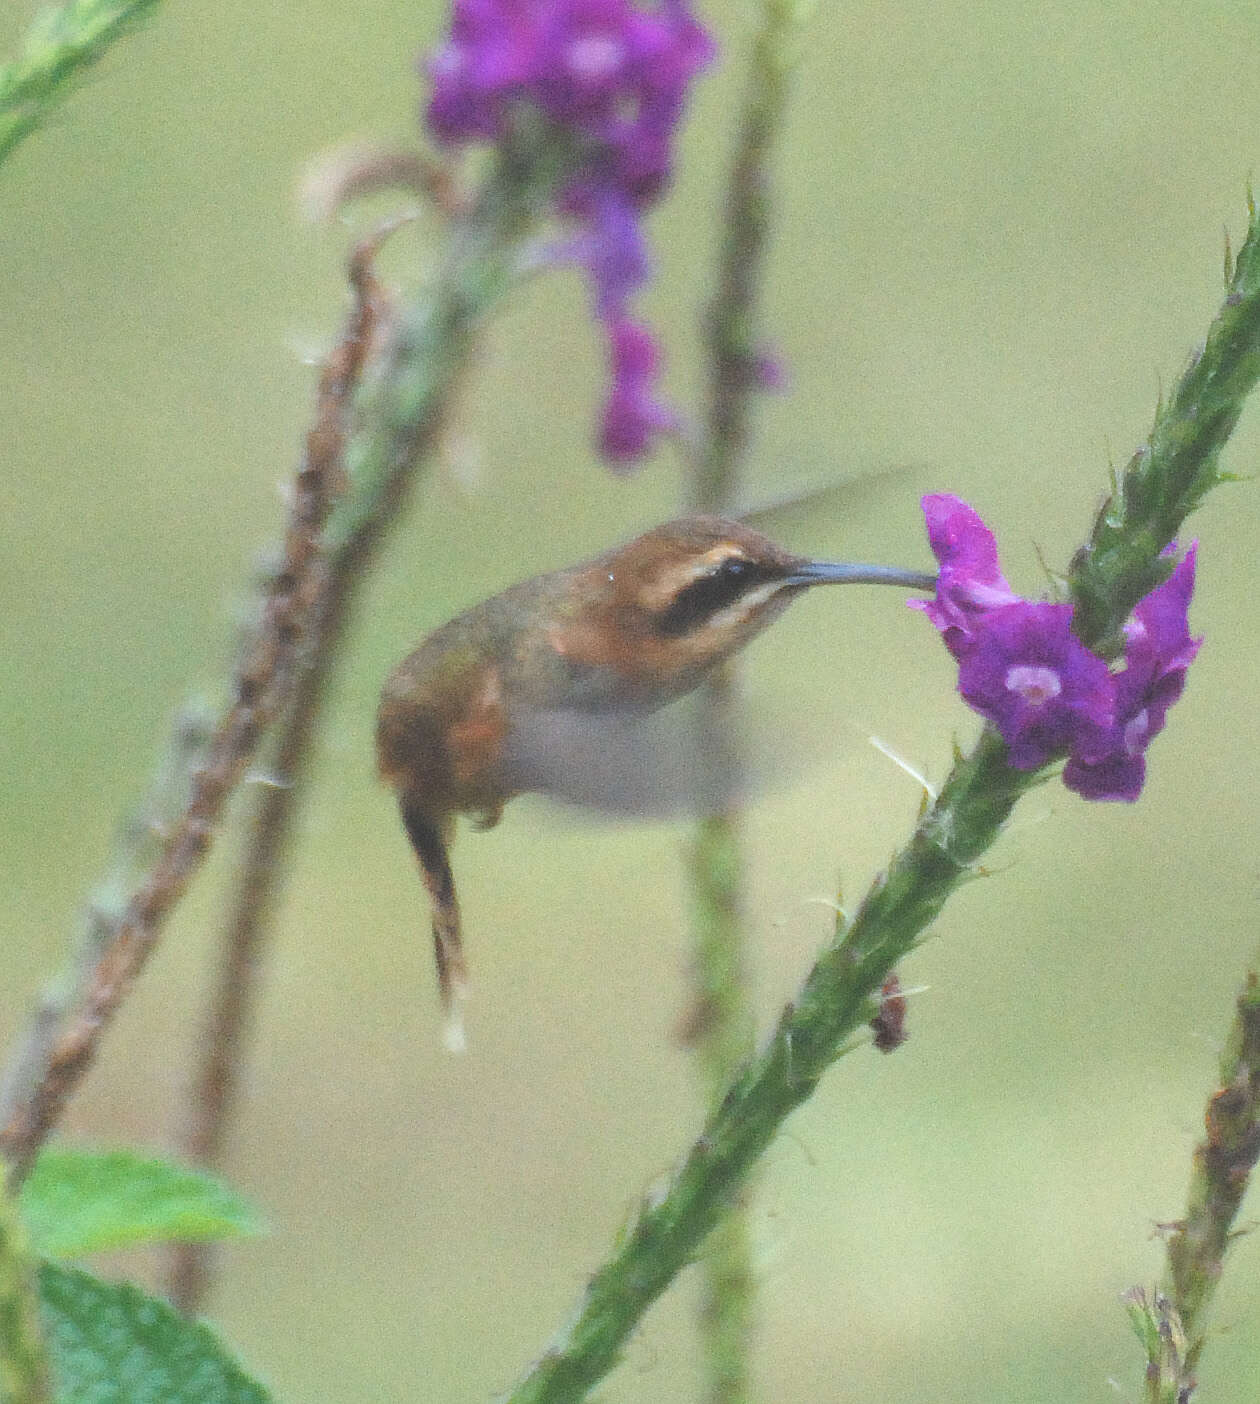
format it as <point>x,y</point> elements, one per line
<point>446,61</point>
<point>1035,683</point>
<point>594,56</point>
<point>1136,732</point>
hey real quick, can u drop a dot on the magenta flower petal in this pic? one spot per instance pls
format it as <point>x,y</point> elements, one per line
<point>970,583</point>
<point>1158,646</point>
<point>611,246</point>
<point>1021,666</point>
<point>1158,651</point>
<point>1040,686</point>
<point>1115,777</point>
<point>633,414</point>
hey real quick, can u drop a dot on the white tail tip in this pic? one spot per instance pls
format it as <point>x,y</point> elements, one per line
<point>454,1039</point>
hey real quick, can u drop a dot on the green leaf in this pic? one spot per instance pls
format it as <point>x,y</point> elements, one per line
<point>111,1343</point>
<point>76,1202</point>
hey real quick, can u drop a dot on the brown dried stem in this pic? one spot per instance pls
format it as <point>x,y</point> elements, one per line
<point>264,681</point>
<point>403,415</point>
<point>213,1096</point>
<point>213,1099</point>
<point>733,323</point>
<point>1170,1323</point>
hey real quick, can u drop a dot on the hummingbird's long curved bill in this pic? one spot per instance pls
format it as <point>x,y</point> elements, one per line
<point>850,573</point>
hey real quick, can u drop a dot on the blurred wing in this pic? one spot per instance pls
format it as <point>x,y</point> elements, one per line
<point>806,501</point>
<point>656,766</point>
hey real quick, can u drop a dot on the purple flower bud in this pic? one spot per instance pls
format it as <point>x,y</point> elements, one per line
<point>633,415</point>
<point>970,583</point>
<point>610,246</point>
<point>1158,650</point>
<point>768,371</point>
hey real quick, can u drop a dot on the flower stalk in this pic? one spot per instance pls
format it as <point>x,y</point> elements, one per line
<point>399,406</point>
<point>1169,1323</point>
<point>840,994</point>
<point>734,331</point>
<point>1169,475</point>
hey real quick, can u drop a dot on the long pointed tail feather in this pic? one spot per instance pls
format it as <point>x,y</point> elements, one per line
<point>429,843</point>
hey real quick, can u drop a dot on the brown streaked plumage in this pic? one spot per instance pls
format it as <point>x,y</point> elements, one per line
<point>460,720</point>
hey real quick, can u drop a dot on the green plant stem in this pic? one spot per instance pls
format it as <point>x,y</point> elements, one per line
<point>252,904</point>
<point>60,45</point>
<point>137,845</point>
<point>265,670</point>
<point>722,1024</point>
<point>23,1364</point>
<point>840,994</point>
<point>841,991</point>
<point>1170,1323</point>
<point>1223,1162</point>
<point>402,417</point>
<point>1170,473</point>
<point>734,332</point>
<point>721,1032</point>
<point>1164,481</point>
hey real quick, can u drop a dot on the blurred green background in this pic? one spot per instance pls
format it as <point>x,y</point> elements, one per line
<point>1000,231</point>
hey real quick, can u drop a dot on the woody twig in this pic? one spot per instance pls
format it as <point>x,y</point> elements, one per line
<point>265,678</point>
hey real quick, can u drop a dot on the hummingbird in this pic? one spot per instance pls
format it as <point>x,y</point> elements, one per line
<point>478,712</point>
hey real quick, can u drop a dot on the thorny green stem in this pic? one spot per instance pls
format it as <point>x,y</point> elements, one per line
<point>1170,1322</point>
<point>213,1098</point>
<point>138,845</point>
<point>1223,1162</point>
<point>840,994</point>
<point>734,331</point>
<point>722,1022</point>
<point>841,991</point>
<point>61,44</point>
<point>401,421</point>
<point>1170,473</point>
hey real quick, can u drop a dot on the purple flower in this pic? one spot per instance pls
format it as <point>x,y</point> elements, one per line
<point>1021,666</point>
<point>633,415</point>
<point>768,371</point>
<point>611,80</point>
<point>970,584</point>
<point>610,246</point>
<point>1158,650</point>
<point>476,72</point>
<point>1026,671</point>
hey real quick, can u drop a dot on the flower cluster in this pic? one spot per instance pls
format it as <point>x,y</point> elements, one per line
<point>1021,666</point>
<point>611,81</point>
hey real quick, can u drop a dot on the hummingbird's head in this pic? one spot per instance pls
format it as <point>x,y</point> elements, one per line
<point>704,582</point>
<point>683,597</point>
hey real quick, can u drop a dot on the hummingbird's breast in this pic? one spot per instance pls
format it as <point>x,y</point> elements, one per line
<point>442,720</point>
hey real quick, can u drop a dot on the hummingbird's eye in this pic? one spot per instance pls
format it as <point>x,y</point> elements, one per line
<point>717,589</point>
